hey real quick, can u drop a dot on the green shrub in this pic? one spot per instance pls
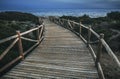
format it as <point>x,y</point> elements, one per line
<point>18,16</point>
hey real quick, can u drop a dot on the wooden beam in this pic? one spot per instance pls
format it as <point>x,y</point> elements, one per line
<point>89,36</point>
<point>80,29</point>
<point>20,44</point>
<point>7,39</point>
<point>99,52</point>
<point>10,63</point>
<point>8,48</point>
<point>28,39</point>
<point>101,74</point>
<point>110,52</point>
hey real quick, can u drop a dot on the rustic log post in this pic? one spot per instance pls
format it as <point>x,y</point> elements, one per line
<point>59,21</point>
<point>38,31</point>
<point>43,29</point>
<point>89,35</point>
<point>73,25</point>
<point>20,45</point>
<point>63,23</point>
<point>80,29</point>
<point>99,49</point>
<point>53,19</point>
<point>40,20</point>
<point>97,62</point>
<point>68,24</point>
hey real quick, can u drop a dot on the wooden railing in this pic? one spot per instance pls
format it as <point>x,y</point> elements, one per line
<point>18,39</point>
<point>100,40</point>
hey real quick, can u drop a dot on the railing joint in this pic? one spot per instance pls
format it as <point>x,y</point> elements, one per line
<point>20,45</point>
<point>89,35</point>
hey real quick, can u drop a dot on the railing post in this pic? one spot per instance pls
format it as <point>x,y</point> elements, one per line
<point>89,35</point>
<point>38,31</point>
<point>40,20</point>
<point>80,29</point>
<point>63,23</point>
<point>59,21</point>
<point>43,29</point>
<point>20,45</point>
<point>99,49</point>
<point>97,62</point>
<point>53,20</point>
<point>68,24</point>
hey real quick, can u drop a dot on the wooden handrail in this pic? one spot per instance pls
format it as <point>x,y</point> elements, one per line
<point>110,52</point>
<point>28,39</point>
<point>18,38</point>
<point>14,36</point>
<point>24,33</point>
<point>93,32</point>
<point>8,48</point>
<point>102,42</point>
<point>7,39</point>
<point>10,63</point>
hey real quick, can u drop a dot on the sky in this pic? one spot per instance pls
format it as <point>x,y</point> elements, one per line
<point>58,4</point>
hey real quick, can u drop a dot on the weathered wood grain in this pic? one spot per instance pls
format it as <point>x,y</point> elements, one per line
<point>61,55</point>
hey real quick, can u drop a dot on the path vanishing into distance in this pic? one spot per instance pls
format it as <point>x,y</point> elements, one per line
<point>61,55</point>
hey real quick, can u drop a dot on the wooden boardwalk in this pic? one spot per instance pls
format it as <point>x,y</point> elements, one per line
<point>61,55</point>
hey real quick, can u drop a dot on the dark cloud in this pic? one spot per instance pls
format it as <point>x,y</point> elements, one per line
<point>38,4</point>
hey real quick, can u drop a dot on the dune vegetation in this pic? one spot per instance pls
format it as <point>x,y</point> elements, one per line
<point>10,22</point>
<point>110,26</point>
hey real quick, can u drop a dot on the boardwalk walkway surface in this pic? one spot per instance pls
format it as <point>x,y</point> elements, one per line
<point>61,55</point>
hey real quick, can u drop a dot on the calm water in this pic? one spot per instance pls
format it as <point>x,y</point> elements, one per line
<point>73,12</point>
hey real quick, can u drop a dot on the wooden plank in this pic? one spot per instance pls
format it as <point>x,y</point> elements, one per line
<point>82,69</point>
<point>44,75</point>
<point>61,61</point>
<point>57,57</point>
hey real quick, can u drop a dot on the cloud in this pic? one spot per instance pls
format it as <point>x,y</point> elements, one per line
<point>69,1</point>
<point>113,0</point>
<point>38,4</point>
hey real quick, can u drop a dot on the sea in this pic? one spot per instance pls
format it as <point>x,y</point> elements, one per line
<point>93,13</point>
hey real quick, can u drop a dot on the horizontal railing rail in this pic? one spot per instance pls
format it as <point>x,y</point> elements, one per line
<point>18,39</point>
<point>101,42</point>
